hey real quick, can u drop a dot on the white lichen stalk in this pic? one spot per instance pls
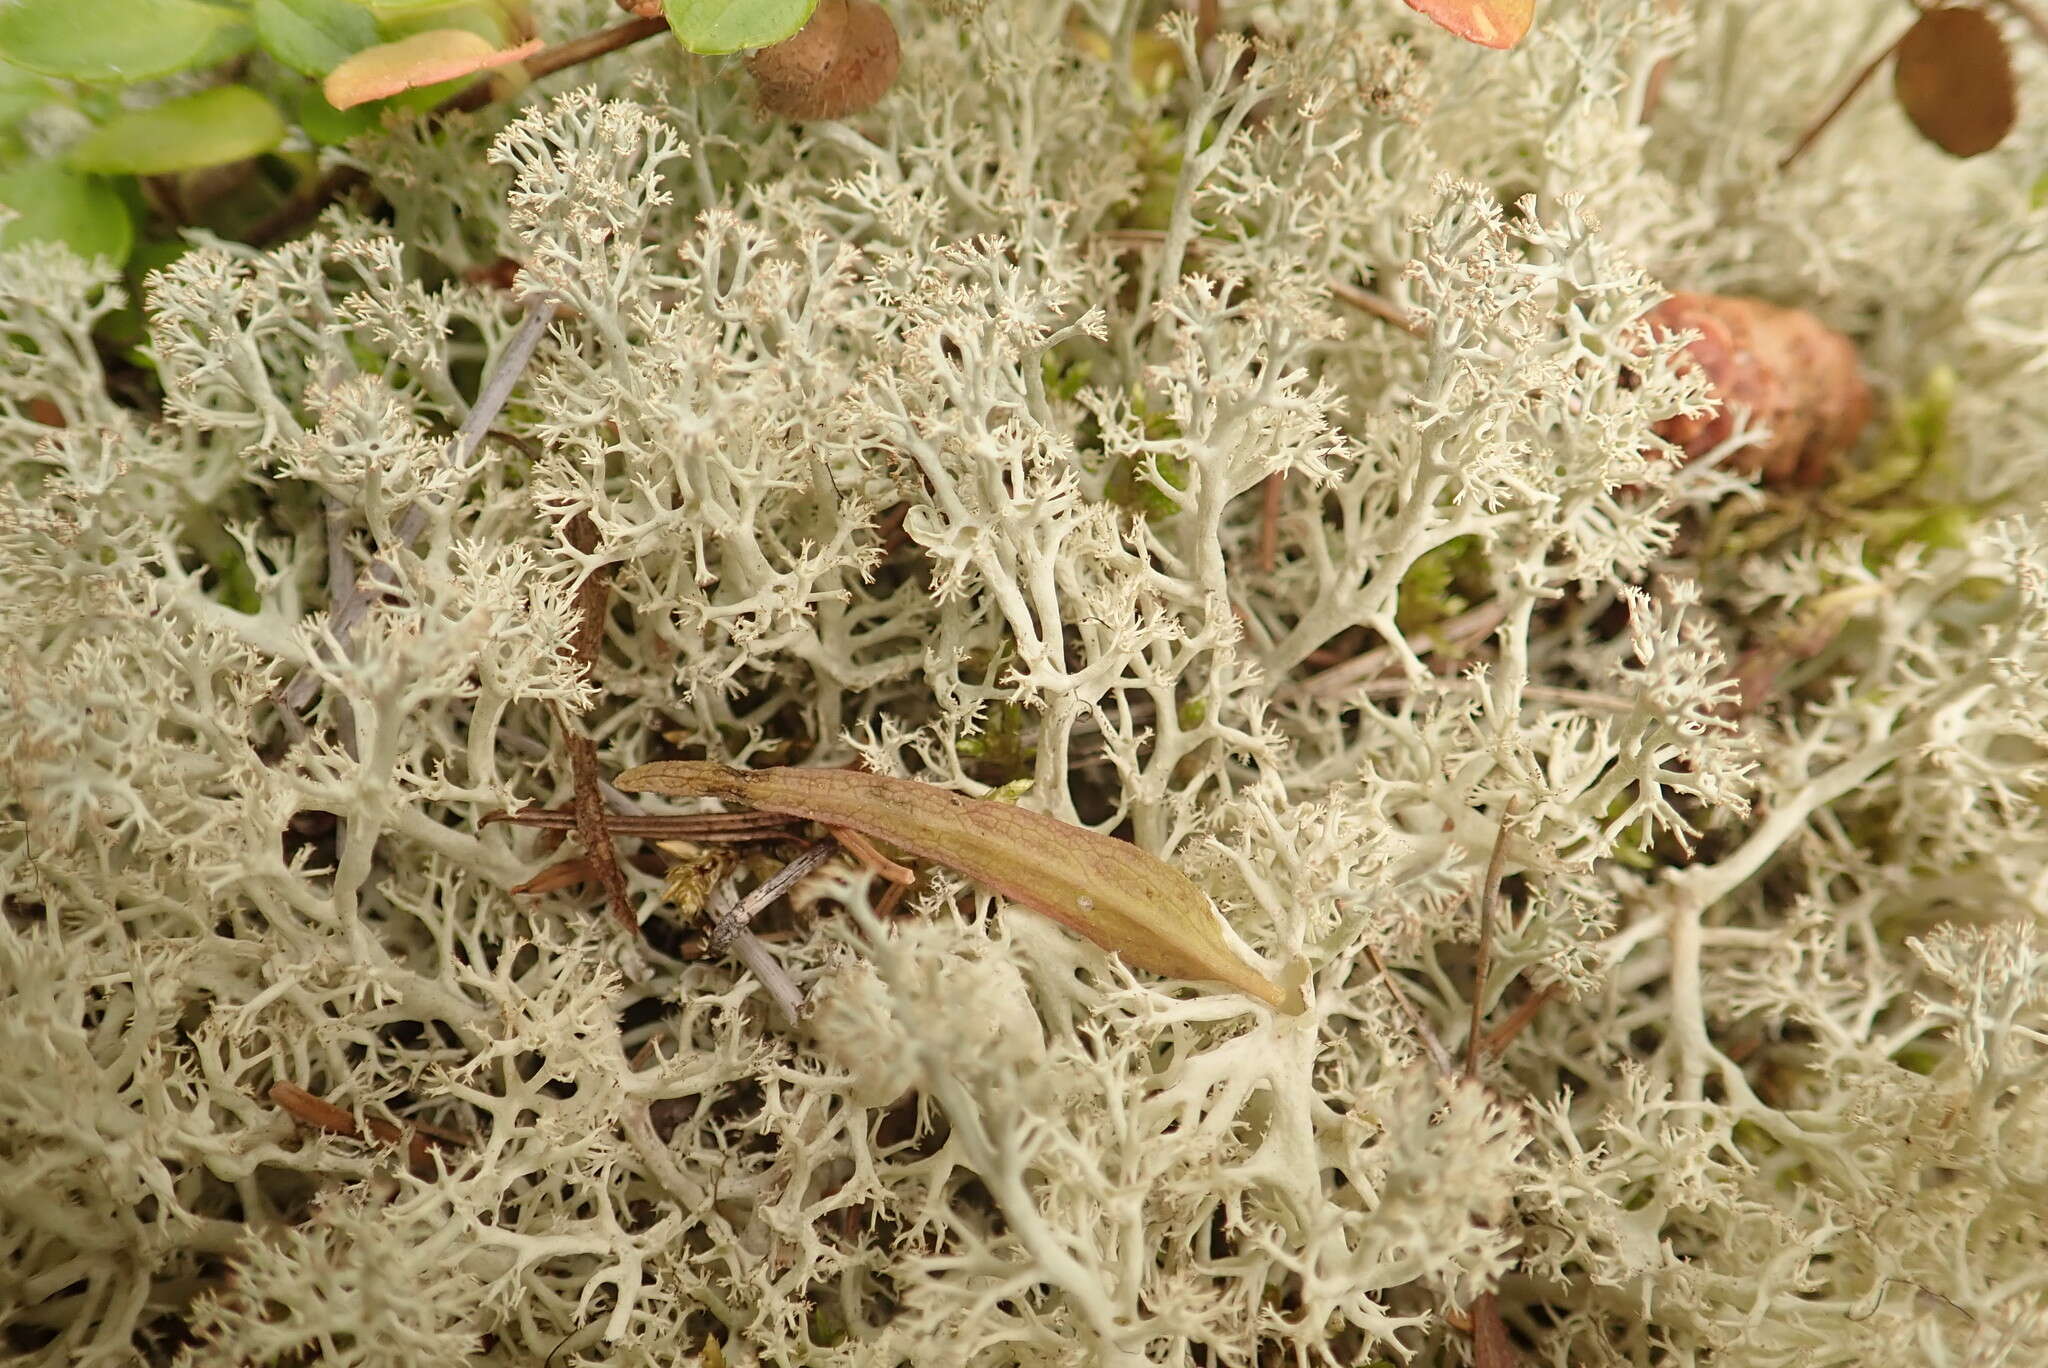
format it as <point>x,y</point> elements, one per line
<point>1786,1105</point>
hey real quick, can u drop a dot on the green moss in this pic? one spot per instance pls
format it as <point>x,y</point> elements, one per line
<point>1139,483</point>
<point>1443,583</point>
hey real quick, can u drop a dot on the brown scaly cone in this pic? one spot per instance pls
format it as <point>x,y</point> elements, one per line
<point>838,64</point>
<point>1792,373</point>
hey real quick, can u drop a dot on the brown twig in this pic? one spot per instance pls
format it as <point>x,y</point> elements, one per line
<point>890,530</point>
<point>901,879</point>
<point>317,1112</point>
<point>1489,906</point>
<point>305,206</point>
<point>593,826</point>
<point>1491,1347</point>
<point>1272,490</point>
<point>1459,631</point>
<point>1828,115</point>
<point>1437,1053</point>
<point>1379,306</point>
<point>1502,1035</point>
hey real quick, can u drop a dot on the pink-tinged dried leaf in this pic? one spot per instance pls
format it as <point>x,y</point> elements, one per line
<point>1108,890</point>
<point>1953,77</point>
<point>424,59</point>
<point>1489,23</point>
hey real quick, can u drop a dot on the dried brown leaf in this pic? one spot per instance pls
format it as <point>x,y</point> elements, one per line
<point>1108,890</point>
<point>1953,77</point>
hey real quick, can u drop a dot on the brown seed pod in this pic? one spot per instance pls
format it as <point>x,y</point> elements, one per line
<point>1788,370</point>
<point>838,64</point>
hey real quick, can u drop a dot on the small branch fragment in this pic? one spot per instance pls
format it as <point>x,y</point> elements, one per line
<point>1437,1053</point>
<point>559,875</point>
<point>774,886</point>
<point>1841,102</point>
<point>420,1140</point>
<point>378,578</point>
<point>1490,1345</point>
<point>901,880</point>
<point>1378,306</point>
<point>1489,907</point>
<point>593,828</point>
<point>1504,1034</point>
<point>1456,634</point>
<point>1271,492</point>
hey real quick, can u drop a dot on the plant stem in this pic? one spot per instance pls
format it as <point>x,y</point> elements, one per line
<point>1828,115</point>
<point>1489,905</point>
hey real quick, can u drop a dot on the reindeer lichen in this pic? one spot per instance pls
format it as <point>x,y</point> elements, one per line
<point>844,403</point>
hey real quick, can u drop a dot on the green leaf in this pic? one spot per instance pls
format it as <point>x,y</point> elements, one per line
<point>313,37</point>
<point>22,93</point>
<point>331,127</point>
<point>485,18</point>
<point>224,124</point>
<point>712,27</point>
<point>60,205</point>
<point>122,41</point>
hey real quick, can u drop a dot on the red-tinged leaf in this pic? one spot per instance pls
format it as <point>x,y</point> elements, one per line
<point>1953,77</point>
<point>1489,23</point>
<point>424,59</point>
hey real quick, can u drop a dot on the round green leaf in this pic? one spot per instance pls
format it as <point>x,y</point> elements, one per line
<point>313,37</point>
<point>331,127</point>
<point>224,124</point>
<point>22,93</point>
<point>486,18</point>
<point>718,26</point>
<point>61,205</point>
<point>122,41</point>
